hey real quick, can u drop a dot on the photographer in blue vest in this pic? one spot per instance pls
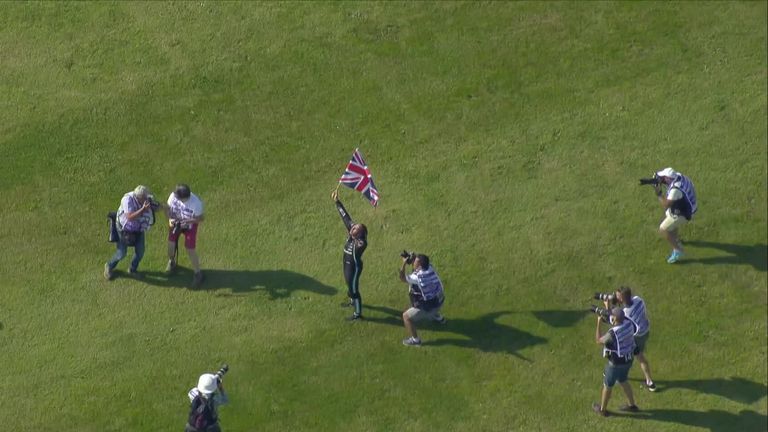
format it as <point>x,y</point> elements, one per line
<point>679,206</point>
<point>634,310</point>
<point>426,294</point>
<point>618,345</point>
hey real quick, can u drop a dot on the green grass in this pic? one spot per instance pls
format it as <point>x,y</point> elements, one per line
<point>506,140</point>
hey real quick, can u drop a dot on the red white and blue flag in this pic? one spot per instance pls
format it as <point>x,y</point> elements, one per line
<point>358,177</point>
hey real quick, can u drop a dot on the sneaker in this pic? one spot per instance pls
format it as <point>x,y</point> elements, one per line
<point>346,303</point>
<point>651,387</point>
<point>354,317</point>
<point>412,341</point>
<point>596,408</point>
<point>629,408</point>
<point>135,274</point>
<point>107,272</point>
<point>170,268</point>
<point>197,279</point>
<point>440,319</point>
<point>674,257</point>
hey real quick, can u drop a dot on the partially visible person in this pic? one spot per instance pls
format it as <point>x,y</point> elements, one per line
<point>185,212</point>
<point>619,344</point>
<point>205,400</point>
<point>634,310</point>
<point>354,247</point>
<point>426,293</point>
<point>679,206</point>
<point>134,218</point>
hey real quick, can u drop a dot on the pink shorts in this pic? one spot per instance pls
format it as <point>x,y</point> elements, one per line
<point>190,237</point>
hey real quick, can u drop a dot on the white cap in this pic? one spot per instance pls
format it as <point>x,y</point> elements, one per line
<point>667,172</point>
<point>207,384</point>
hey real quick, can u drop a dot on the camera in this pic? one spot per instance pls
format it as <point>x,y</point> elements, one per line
<point>605,314</point>
<point>655,181</point>
<point>610,298</point>
<point>222,371</point>
<point>153,203</point>
<point>409,256</point>
<point>175,230</point>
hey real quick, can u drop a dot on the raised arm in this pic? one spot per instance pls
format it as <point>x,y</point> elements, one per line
<point>342,211</point>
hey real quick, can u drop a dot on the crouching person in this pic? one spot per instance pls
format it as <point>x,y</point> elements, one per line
<point>426,293</point>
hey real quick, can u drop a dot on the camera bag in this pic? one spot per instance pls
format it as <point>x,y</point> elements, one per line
<point>114,235</point>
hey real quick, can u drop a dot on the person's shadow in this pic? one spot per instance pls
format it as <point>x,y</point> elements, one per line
<point>755,255</point>
<point>560,318</point>
<point>276,283</point>
<point>482,333</point>
<point>714,420</point>
<point>734,388</point>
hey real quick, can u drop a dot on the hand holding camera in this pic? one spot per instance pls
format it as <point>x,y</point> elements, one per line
<point>408,257</point>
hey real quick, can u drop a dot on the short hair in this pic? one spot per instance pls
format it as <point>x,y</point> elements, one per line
<point>618,313</point>
<point>141,191</point>
<point>626,292</point>
<point>424,261</point>
<point>182,191</point>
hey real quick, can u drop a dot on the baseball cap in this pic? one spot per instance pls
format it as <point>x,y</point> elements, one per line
<point>667,172</point>
<point>207,383</point>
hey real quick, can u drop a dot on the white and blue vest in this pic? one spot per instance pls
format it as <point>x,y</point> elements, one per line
<point>685,206</point>
<point>623,343</point>
<point>636,314</point>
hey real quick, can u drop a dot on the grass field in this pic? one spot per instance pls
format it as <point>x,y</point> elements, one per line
<point>506,140</point>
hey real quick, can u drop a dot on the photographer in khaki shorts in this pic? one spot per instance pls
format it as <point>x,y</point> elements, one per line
<point>679,206</point>
<point>426,293</point>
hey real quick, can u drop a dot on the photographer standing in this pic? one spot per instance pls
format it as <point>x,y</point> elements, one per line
<point>357,241</point>
<point>634,310</point>
<point>619,343</point>
<point>426,293</point>
<point>205,400</point>
<point>185,212</point>
<point>679,206</point>
<point>134,217</point>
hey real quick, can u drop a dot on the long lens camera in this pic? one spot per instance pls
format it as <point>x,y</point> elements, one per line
<point>222,371</point>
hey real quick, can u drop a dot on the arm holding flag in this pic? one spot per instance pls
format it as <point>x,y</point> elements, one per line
<point>342,211</point>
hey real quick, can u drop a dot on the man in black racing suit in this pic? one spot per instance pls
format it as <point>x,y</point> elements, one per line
<point>357,241</point>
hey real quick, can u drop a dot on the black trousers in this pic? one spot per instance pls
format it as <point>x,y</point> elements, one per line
<point>352,271</point>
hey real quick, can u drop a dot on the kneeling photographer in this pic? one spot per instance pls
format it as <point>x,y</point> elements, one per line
<point>205,400</point>
<point>618,345</point>
<point>425,291</point>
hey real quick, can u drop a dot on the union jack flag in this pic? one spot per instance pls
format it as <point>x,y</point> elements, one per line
<point>358,177</point>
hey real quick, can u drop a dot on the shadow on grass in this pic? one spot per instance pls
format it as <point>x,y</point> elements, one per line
<point>276,283</point>
<point>713,420</point>
<point>755,255</point>
<point>734,388</point>
<point>482,333</point>
<point>560,318</point>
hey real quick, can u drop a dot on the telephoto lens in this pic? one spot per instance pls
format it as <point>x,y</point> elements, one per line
<point>223,370</point>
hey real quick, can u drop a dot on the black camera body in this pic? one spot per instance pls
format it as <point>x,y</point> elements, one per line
<point>409,256</point>
<point>222,371</point>
<point>604,314</point>
<point>609,297</point>
<point>653,181</point>
<point>175,230</point>
<point>153,203</point>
